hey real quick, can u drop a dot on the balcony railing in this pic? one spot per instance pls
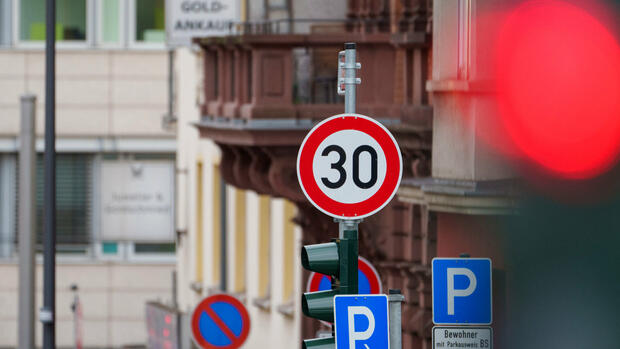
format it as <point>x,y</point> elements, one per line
<point>363,16</point>
<point>294,76</point>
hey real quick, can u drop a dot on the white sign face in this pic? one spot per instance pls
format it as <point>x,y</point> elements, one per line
<point>187,19</point>
<point>349,166</point>
<point>462,337</point>
<point>137,200</point>
<point>363,152</point>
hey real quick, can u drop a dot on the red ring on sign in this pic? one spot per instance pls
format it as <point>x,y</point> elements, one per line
<point>349,122</point>
<point>204,305</point>
<point>364,266</point>
<point>314,281</point>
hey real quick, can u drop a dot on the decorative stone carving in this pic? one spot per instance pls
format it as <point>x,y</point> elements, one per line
<point>283,172</point>
<point>259,165</point>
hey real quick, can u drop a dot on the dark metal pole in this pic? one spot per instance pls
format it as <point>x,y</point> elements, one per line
<point>48,312</point>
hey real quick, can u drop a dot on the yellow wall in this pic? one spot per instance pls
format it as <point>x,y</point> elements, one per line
<point>264,240</point>
<point>288,248</point>
<point>217,225</point>
<point>199,222</point>
<point>239,240</point>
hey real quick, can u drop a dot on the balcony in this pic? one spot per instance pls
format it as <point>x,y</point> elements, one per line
<point>264,88</point>
<point>265,91</point>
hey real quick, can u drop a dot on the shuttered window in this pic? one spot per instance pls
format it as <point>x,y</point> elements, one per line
<point>8,206</point>
<point>73,199</point>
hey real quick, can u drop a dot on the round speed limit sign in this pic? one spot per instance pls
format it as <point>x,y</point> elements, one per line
<point>349,166</point>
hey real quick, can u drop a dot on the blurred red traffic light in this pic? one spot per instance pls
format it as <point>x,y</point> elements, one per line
<point>558,80</point>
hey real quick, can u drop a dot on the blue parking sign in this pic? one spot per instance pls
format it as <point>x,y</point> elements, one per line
<point>462,291</point>
<point>361,322</point>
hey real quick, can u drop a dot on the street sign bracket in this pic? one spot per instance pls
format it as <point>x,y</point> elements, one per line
<point>347,224</point>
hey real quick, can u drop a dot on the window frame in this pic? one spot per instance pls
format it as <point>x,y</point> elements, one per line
<point>89,247</point>
<point>119,256</point>
<point>132,33</point>
<point>6,23</point>
<point>122,26</point>
<point>94,29</point>
<point>67,44</point>
<point>93,249</point>
<point>154,257</point>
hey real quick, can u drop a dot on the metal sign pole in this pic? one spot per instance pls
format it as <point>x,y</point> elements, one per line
<point>47,314</point>
<point>347,86</point>
<point>348,228</point>
<point>350,80</point>
<point>396,336</point>
<point>27,155</point>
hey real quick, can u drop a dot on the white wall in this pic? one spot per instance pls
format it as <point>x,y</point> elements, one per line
<point>99,93</point>
<point>113,296</point>
<point>105,98</point>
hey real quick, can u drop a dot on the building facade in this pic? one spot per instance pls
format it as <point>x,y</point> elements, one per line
<point>261,91</point>
<point>115,163</point>
<point>427,75</point>
<point>233,238</point>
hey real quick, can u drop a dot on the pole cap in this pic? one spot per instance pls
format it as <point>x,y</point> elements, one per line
<point>349,46</point>
<point>26,97</point>
<point>394,291</point>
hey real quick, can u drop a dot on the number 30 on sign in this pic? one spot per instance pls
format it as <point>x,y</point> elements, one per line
<point>349,166</point>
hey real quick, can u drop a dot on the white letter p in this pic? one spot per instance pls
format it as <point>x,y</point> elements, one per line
<point>452,272</point>
<point>360,336</point>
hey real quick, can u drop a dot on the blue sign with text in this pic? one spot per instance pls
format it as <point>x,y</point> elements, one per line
<point>462,291</point>
<point>361,322</point>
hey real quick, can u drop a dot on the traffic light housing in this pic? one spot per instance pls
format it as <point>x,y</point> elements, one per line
<point>337,259</point>
<point>319,343</point>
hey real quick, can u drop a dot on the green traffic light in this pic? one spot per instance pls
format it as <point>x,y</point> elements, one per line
<point>319,305</point>
<point>321,258</point>
<point>338,260</point>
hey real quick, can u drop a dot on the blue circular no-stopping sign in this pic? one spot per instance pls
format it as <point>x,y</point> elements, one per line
<point>220,322</point>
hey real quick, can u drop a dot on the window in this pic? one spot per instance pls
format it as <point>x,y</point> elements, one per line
<point>73,201</point>
<point>249,81</point>
<point>150,26</point>
<point>110,248</point>
<point>233,73</point>
<point>216,75</point>
<point>464,28</point>
<point>70,20</point>
<point>168,248</point>
<point>5,22</point>
<point>8,200</point>
<point>110,21</point>
<point>78,222</point>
